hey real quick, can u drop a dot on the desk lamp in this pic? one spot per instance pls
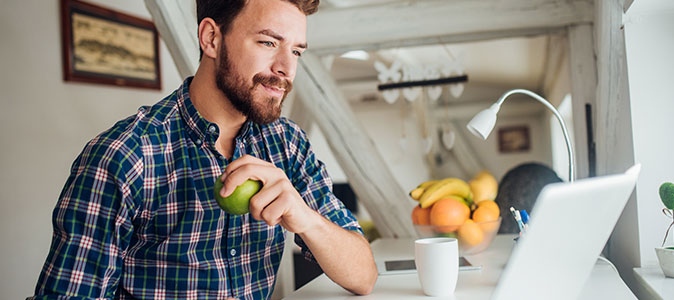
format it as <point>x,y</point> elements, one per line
<point>483,123</point>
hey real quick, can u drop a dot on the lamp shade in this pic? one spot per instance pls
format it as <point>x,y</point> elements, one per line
<point>483,123</point>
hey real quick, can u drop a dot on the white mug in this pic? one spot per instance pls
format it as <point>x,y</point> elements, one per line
<point>437,261</point>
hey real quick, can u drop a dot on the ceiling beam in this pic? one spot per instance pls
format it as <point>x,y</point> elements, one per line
<point>627,5</point>
<point>556,55</point>
<point>583,66</point>
<point>372,181</point>
<point>177,25</point>
<point>424,22</point>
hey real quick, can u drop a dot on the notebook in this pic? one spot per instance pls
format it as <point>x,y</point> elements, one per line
<point>569,226</point>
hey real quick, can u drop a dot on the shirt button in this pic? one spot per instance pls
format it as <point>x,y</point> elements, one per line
<point>232,252</point>
<point>211,129</point>
<point>198,141</point>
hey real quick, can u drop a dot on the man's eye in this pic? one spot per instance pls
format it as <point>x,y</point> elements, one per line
<point>267,43</point>
<point>297,53</point>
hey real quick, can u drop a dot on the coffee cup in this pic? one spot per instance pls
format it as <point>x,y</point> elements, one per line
<point>437,262</point>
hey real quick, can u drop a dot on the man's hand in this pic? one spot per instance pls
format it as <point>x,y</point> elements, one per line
<point>277,201</point>
<point>344,256</point>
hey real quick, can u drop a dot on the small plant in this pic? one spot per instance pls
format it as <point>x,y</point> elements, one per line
<point>667,197</point>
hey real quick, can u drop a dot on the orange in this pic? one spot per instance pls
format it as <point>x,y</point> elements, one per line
<point>487,211</point>
<point>470,234</point>
<point>421,216</point>
<point>449,213</point>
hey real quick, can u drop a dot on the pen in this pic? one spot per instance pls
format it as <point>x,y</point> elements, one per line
<point>525,219</point>
<point>518,218</point>
<point>525,216</point>
<point>512,212</point>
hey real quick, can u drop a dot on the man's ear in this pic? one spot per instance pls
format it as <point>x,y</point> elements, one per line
<point>209,38</point>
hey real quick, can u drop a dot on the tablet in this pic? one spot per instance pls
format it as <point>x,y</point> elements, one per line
<point>406,266</point>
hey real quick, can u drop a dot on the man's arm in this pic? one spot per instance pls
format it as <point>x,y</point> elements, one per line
<point>92,228</point>
<point>345,256</point>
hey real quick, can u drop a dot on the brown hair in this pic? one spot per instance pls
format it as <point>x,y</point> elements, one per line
<point>223,12</point>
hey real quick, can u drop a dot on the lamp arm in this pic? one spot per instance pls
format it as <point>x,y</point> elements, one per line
<point>572,163</point>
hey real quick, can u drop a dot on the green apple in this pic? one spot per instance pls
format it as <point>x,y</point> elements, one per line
<point>237,202</point>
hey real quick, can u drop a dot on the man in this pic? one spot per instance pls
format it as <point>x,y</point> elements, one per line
<point>137,217</point>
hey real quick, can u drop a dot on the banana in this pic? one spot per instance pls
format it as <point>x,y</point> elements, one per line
<point>444,188</point>
<point>419,190</point>
<point>426,184</point>
<point>416,193</point>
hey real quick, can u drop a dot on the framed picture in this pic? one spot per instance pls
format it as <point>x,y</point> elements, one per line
<point>513,139</point>
<point>108,47</point>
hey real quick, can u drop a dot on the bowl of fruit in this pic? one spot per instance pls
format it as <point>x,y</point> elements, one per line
<point>447,208</point>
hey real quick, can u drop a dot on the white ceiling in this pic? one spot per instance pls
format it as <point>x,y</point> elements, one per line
<point>514,62</point>
<point>501,64</point>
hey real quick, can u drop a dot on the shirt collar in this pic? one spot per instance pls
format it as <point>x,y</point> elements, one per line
<point>202,131</point>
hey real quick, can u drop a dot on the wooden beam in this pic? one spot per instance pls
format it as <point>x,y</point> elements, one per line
<point>615,152</point>
<point>627,5</point>
<point>556,52</point>
<point>423,22</point>
<point>615,148</point>
<point>177,25</point>
<point>583,69</point>
<point>371,179</point>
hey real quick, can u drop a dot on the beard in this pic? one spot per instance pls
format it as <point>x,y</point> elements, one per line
<point>263,110</point>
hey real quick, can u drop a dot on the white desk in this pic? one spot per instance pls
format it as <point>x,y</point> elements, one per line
<point>604,282</point>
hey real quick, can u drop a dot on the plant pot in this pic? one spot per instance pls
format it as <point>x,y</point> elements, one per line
<point>666,259</point>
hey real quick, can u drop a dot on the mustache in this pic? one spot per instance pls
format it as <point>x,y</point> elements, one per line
<point>273,81</point>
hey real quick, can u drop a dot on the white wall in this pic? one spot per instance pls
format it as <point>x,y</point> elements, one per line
<point>45,123</point>
<point>498,163</point>
<point>649,39</point>
<point>384,123</point>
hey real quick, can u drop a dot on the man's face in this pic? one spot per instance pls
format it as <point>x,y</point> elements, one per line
<point>258,58</point>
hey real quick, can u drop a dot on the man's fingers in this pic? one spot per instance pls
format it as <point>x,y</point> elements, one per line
<point>273,213</point>
<point>263,198</point>
<point>244,160</point>
<point>266,173</point>
<point>239,176</point>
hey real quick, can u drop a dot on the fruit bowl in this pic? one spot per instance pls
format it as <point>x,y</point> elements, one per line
<point>473,237</point>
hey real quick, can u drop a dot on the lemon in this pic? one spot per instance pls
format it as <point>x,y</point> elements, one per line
<point>238,202</point>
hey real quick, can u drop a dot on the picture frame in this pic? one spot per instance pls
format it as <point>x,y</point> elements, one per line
<point>104,46</point>
<point>512,139</point>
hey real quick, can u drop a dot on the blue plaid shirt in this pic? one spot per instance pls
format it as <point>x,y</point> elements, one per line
<point>137,217</point>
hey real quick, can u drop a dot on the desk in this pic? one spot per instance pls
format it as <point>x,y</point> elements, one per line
<point>604,282</point>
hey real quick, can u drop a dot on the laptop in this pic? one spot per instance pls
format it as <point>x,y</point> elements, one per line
<point>568,228</point>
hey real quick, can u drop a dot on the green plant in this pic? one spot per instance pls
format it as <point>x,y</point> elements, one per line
<point>667,197</point>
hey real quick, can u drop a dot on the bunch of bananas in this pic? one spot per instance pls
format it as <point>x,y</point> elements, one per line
<point>431,191</point>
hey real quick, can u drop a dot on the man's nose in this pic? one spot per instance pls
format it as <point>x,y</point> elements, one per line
<point>285,65</point>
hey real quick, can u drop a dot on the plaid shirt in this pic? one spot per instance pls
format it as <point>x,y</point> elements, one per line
<point>137,217</point>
